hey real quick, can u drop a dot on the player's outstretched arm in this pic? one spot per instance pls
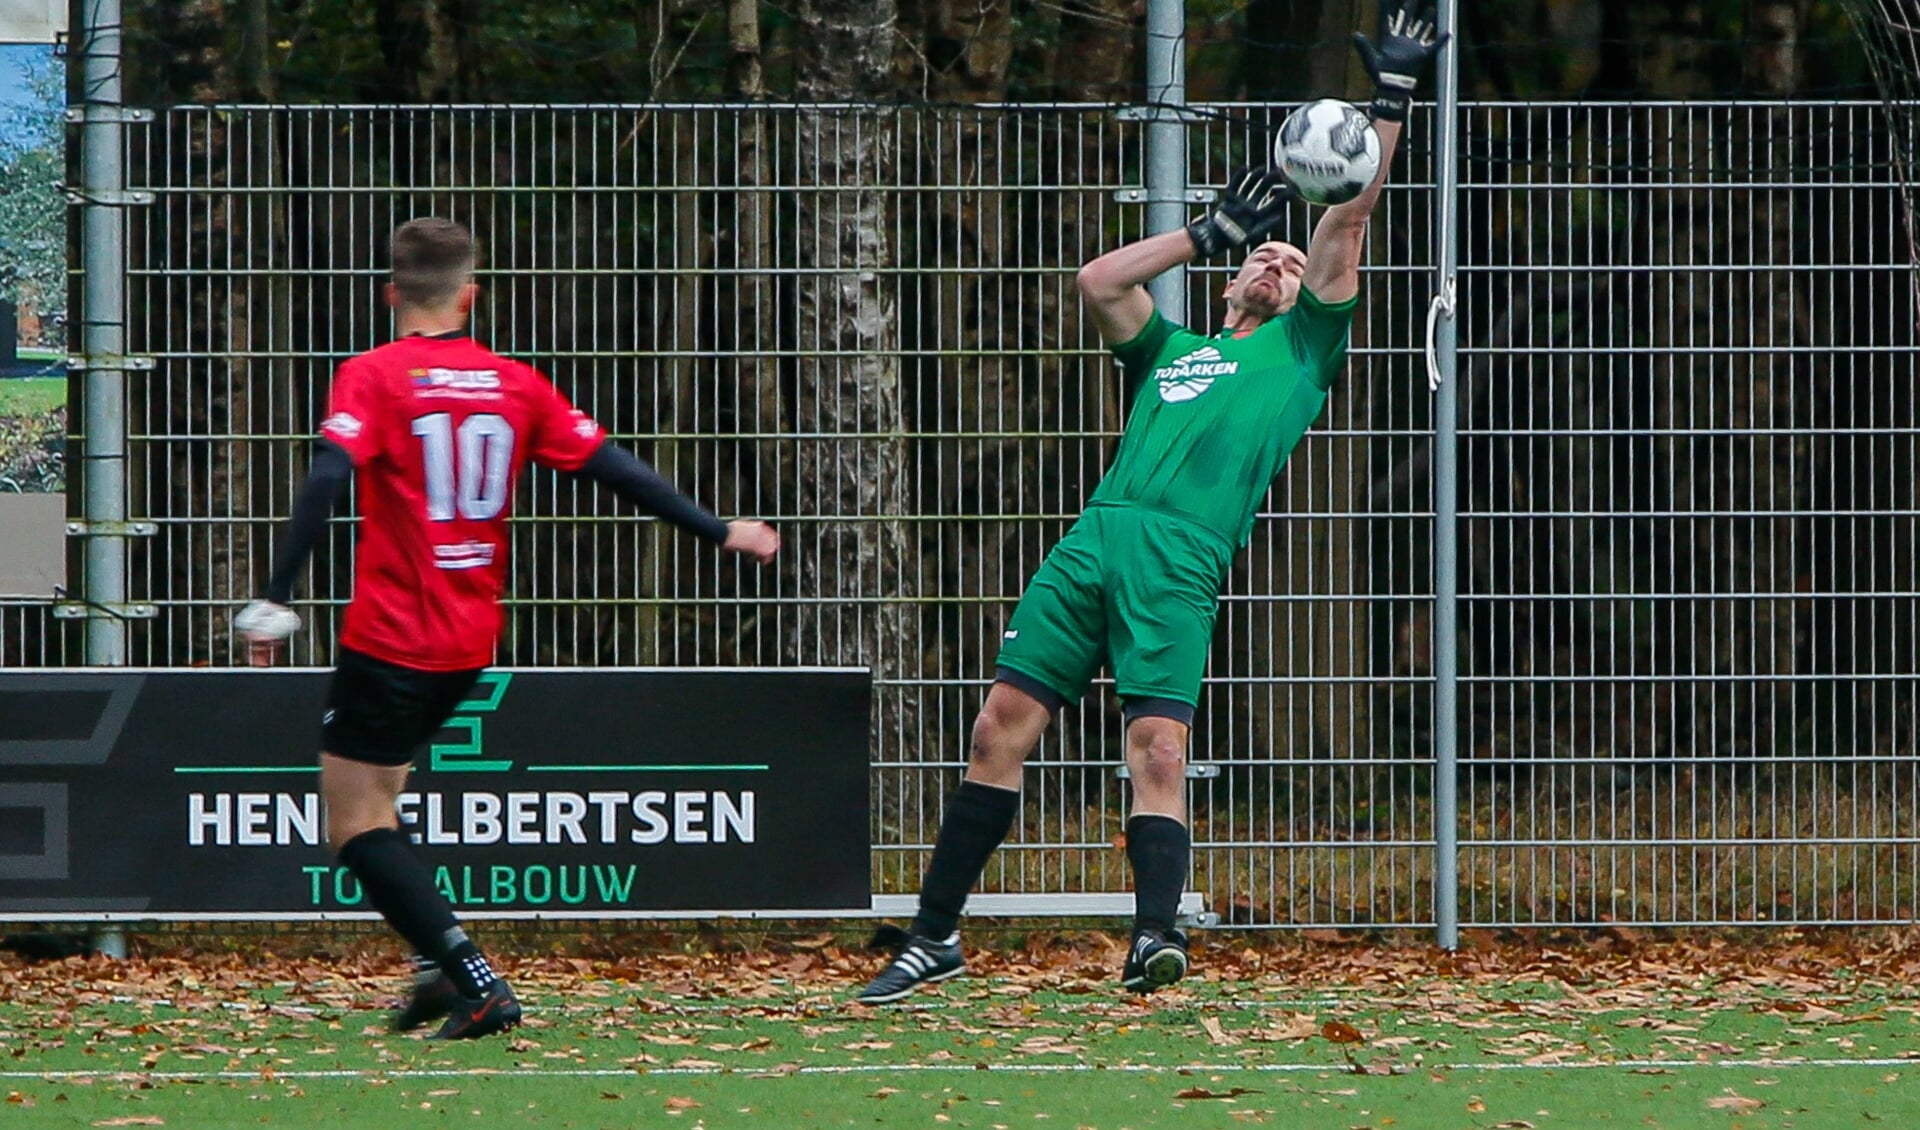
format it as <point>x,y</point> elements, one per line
<point>630,477</point>
<point>1113,286</point>
<point>1252,205</point>
<point>1408,45</point>
<point>267,622</point>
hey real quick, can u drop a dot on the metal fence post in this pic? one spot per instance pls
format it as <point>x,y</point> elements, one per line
<point>1443,372</point>
<point>103,347</point>
<point>1166,143</point>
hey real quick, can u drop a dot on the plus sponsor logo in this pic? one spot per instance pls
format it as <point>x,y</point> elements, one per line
<point>460,384</point>
<point>1192,375</point>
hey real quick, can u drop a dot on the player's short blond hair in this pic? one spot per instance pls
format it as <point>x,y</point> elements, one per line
<point>432,259</point>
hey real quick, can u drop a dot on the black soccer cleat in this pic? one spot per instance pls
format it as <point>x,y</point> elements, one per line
<point>432,999</point>
<point>917,961</point>
<point>1155,960</point>
<point>472,1019</point>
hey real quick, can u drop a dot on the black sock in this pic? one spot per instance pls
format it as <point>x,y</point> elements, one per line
<point>401,888</point>
<point>978,818</point>
<point>1158,847</point>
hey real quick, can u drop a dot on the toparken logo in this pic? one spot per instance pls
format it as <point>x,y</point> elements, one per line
<point>1190,376</point>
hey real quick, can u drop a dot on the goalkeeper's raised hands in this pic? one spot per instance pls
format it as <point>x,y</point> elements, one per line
<point>1408,44</point>
<point>1250,207</point>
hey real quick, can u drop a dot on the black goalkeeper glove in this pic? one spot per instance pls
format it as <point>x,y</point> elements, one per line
<point>1408,44</point>
<point>1253,204</point>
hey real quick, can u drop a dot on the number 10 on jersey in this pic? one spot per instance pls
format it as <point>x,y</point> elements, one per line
<point>469,468</point>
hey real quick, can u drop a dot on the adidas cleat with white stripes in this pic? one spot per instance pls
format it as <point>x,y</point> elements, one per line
<point>919,961</point>
<point>1155,960</point>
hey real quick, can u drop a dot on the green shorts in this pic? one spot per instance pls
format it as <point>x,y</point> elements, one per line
<point>1131,586</point>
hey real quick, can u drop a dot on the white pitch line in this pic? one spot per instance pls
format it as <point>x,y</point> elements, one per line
<point>937,1068</point>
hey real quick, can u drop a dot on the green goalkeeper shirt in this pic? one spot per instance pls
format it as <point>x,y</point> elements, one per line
<point>1214,418</point>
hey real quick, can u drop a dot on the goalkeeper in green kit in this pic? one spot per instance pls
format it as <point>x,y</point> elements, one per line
<point>1136,581</point>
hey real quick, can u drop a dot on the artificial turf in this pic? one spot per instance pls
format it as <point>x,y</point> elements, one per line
<point>773,1043</point>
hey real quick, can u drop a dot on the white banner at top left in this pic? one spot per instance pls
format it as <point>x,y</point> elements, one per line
<point>32,21</point>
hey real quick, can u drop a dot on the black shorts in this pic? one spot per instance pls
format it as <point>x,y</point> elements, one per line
<point>382,713</point>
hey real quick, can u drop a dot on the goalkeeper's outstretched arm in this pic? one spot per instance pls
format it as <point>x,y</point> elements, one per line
<point>1114,285</point>
<point>1408,45</point>
<point>1333,258</point>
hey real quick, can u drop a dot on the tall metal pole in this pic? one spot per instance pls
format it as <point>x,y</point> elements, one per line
<point>1166,143</point>
<point>1446,501</point>
<point>103,343</point>
<point>103,336</point>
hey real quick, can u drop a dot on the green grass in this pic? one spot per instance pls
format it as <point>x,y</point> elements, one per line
<point>767,1040</point>
<point>30,396</point>
<point>1806,1097</point>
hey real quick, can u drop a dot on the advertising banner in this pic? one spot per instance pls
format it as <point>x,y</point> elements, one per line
<point>594,793</point>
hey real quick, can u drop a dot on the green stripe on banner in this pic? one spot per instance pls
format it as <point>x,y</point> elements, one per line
<point>647,768</point>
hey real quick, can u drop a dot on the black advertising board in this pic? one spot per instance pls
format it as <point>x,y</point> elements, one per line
<point>594,793</point>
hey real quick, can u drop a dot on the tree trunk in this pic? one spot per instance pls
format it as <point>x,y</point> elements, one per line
<point>428,49</point>
<point>851,558</point>
<point>744,76</point>
<point>1096,60</point>
<point>961,51</point>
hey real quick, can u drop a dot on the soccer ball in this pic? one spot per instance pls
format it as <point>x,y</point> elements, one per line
<point>1329,150</point>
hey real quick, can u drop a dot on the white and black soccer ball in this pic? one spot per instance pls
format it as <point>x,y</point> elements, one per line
<point>1329,150</point>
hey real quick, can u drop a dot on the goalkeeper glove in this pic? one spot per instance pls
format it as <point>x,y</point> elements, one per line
<point>1252,205</point>
<point>1408,44</point>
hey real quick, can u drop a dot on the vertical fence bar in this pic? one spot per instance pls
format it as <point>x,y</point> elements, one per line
<point>1441,342</point>
<point>103,342</point>
<point>1166,143</point>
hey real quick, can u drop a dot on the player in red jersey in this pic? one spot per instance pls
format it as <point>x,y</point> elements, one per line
<point>436,429</point>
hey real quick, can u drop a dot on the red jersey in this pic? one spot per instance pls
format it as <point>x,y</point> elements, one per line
<point>438,429</point>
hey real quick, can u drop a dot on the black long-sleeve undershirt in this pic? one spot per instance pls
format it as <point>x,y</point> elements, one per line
<point>629,476</point>
<point>327,479</point>
<point>613,467</point>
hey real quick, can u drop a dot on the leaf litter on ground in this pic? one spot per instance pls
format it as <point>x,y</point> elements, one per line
<point>267,1007</point>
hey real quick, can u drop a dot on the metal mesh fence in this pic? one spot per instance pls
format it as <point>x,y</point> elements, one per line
<point>1687,440</point>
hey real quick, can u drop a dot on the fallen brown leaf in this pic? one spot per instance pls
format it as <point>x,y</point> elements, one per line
<point>1341,1032</point>
<point>676,1102</point>
<point>1217,1034</point>
<point>1203,1093</point>
<point>1739,1104</point>
<point>135,1120</point>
